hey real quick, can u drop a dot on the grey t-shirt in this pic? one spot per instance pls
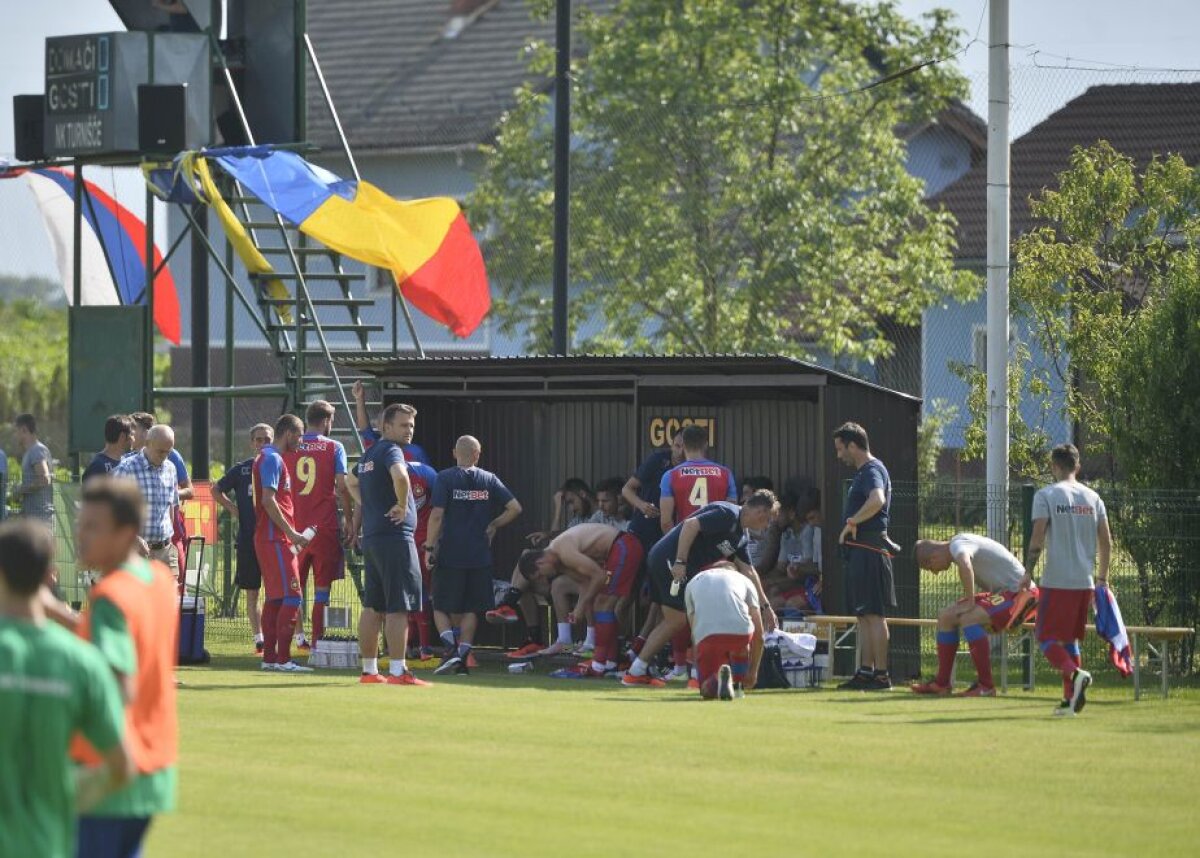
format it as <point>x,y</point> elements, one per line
<point>802,547</point>
<point>996,569</point>
<point>1073,511</point>
<point>40,502</point>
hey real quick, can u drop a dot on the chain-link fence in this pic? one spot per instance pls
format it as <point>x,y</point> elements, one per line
<point>1155,569</point>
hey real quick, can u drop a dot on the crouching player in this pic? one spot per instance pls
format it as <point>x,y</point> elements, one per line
<point>1008,599</point>
<point>727,629</point>
<point>605,563</point>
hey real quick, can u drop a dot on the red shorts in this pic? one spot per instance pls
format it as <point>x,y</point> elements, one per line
<point>280,569</point>
<point>624,560</point>
<point>1062,614</point>
<point>324,556</point>
<point>716,650</point>
<point>1009,608</point>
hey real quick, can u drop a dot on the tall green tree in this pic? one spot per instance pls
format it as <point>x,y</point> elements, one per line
<point>33,369</point>
<point>1105,283</point>
<point>727,195</point>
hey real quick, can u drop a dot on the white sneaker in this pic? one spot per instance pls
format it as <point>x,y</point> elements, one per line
<point>269,666</point>
<point>725,683</point>
<point>1081,679</point>
<point>1064,710</point>
<point>676,674</point>
<point>292,667</point>
<point>556,648</point>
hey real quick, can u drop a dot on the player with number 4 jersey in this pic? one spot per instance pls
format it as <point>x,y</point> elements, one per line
<point>318,469</point>
<point>694,483</point>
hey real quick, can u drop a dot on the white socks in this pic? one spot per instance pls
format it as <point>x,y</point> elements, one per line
<point>370,665</point>
<point>564,634</point>
<point>639,667</point>
<point>397,667</point>
<point>590,640</point>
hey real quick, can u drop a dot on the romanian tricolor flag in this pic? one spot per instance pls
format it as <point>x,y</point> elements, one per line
<point>426,244</point>
<point>112,243</point>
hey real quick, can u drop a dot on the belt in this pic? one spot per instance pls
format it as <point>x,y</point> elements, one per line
<point>877,541</point>
<point>158,546</point>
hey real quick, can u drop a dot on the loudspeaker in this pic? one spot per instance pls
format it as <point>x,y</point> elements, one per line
<point>29,127</point>
<point>162,118</point>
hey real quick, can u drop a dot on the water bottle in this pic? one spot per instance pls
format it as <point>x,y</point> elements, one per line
<point>308,533</point>
<point>675,582</point>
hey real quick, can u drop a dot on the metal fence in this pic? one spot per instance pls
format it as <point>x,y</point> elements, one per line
<point>1155,566</point>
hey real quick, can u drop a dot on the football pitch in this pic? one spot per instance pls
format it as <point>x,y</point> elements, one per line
<point>494,764</point>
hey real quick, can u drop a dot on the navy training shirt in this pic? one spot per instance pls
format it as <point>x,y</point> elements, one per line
<point>649,475</point>
<point>240,480</point>
<point>872,475</point>
<point>721,537</point>
<point>99,466</point>
<point>470,499</point>
<point>379,493</point>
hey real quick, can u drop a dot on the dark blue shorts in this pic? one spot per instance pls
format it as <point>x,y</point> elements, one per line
<point>112,836</point>
<point>391,575</point>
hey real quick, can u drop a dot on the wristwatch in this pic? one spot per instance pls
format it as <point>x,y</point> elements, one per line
<point>679,562</point>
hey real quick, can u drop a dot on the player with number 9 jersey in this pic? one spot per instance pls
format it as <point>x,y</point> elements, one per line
<point>315,465</point>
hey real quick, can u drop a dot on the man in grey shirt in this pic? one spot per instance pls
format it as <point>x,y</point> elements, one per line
<point>35,492</point>
<point>1070,523</point>
<point>997,595</point>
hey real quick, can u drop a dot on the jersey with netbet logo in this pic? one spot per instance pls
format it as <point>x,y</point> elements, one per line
<point>270,472</point>
<point>421,479</point>
<point>694,485</point>
<point>315,465</point>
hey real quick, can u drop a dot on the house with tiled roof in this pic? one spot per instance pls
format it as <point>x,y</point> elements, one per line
<point>1139,120</point>
<point>421,85</point>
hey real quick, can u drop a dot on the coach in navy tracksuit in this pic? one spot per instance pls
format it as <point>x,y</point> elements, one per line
<point>469,506</point>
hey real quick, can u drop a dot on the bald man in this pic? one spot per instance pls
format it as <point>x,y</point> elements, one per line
<point>469,506</point>
<point>158,481</point>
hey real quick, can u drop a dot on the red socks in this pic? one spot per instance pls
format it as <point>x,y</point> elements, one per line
<point>422,623</point>
<point>317,626</point>
<point>606,637</point>
<point>680,642</point>
<point>947,649</point>
<point>270,620</point>
<point>285,628</point>
<point>1058,656</point>
<point>982,656</point>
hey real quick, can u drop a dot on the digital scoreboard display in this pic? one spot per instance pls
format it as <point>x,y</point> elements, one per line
<point>78,87</point>
<point>92,81</point>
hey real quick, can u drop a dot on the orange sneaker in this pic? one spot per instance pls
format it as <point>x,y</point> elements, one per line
<point>503,614</point>
<point>932,688</point>
<point>529,650</point>
<point>645,680</point>
<point>693,685</point>
<point>372,679</point>
<point>471,662</point>
<point>406,678</point>
<point>978,690</point>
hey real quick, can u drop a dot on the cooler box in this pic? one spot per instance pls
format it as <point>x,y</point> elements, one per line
<point>191,631</point>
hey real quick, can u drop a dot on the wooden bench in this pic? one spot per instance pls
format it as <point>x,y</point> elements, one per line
<point>1154,641</point>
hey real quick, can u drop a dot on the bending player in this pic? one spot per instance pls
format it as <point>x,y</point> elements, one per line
<point>1007,598</point>
<point>318,465</point>
<point>723,611</point>
<point>715,533</point>
<point>605,562</point>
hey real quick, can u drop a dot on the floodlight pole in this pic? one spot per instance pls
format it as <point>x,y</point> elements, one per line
<point>562,170</point>
<point>997,271</point>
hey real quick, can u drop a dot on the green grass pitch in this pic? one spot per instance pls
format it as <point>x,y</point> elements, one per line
<point>498,765</point>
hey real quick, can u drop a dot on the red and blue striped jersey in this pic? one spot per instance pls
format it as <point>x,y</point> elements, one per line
<point>695,484</point>
<point>270,472</point>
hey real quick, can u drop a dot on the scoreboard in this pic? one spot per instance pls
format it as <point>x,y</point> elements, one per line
<point>92,81</point>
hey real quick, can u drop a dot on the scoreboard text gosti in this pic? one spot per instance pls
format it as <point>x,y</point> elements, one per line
<point>663,429</point>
